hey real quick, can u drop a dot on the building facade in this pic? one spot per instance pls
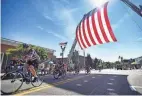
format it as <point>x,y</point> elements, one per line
<point>7,44</point>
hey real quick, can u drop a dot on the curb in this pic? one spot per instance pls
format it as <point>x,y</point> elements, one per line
<point>133,81</point>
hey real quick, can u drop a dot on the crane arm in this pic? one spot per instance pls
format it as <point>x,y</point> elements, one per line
<point>133,7</point>
<point>72,50</point>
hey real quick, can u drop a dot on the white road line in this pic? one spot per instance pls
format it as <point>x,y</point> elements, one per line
<point>92,91</point>
<point>137,86</point>
<point>110,83</point>
<point>85,81</point>
<point>109,89</point>
<point>111,79</point>
<point>132,88</point>
<point>78,85</point>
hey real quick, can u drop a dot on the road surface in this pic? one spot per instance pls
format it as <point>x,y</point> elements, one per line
<point>106,82</point>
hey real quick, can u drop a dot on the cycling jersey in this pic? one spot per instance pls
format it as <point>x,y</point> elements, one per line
<point>32,54</point>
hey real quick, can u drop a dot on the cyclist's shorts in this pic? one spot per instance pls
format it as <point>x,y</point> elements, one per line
<point>33,62</point>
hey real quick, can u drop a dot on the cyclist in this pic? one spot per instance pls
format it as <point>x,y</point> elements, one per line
<point>87,67</point>
<point>32,59</point>
<point>60,67</point>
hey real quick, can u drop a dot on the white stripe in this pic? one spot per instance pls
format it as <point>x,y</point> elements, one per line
<point>81,29</point>
<point>98,28</point>
<point>86,32</point>
<point>105,25</point>
<point>78,35</point>
<point>92,31</point>
<point>132,88</point>
<point>138,87</point>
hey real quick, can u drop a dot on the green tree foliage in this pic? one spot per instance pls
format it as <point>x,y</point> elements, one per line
<point>95,61</point>
<point>19,51</point>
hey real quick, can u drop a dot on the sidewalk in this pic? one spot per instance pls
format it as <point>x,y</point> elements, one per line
<point>1,74</point>
<point>135,81</point>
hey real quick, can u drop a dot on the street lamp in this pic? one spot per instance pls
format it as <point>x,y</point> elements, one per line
<point>63,46</point>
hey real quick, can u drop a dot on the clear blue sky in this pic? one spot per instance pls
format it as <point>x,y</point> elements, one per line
<point>48,22</point>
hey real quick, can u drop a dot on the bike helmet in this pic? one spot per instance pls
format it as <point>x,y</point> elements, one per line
<point>25,45</point>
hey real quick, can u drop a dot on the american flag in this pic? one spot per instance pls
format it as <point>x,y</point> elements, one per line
<point>63,43</point>
<point>95,28</point>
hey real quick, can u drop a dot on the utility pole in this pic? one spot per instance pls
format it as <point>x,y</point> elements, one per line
<point>63,46</point>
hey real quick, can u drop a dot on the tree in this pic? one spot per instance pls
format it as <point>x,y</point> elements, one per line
<point>95,61</point>
<point>19,51</point>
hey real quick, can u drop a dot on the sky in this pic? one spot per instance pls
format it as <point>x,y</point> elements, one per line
<point>46,23</point>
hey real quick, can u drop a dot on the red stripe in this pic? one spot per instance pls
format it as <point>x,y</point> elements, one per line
<point>108,23</point>
<point>77,37</point>
<point>101,26</point>
<point>89,31</point>
<point>95,30</point>
<point>85,37</point>
<point>81,36</point>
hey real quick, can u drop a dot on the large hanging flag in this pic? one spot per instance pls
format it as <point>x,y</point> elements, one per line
<point>95,28</point>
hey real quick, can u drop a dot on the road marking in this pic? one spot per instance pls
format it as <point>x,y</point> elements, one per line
<point>137,86</point>
<point>93,77</point>
<point>85,81</point>
<point>78,85</point>
<point>35,89</point>
<point>111,79</point>
<point>109,89</point>
<point>132,88</point>
<point>110,83</point>
<point>92,91</point>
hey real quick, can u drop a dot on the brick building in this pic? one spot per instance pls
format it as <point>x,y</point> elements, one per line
<point>7,43</point>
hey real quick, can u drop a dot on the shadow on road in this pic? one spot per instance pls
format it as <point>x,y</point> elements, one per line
<point>96,84</point>
<point>91,84</point>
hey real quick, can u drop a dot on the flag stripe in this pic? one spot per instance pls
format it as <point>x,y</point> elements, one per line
<point>101,26</point>
<point>85,35</point>
<point>98,28</point>
<point>105,26</point>
<point>78,37</point>
<point>108,23</point>
<point>88,34</point>
<point>89,31</point>
<point>95,30</point>
<point>92,31</point>
<point>82,35</point>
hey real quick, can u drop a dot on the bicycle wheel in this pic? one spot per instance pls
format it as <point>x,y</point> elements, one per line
<point>56,74</point>
<point>64,74</point>
<point>38,82</point>
<point>11,82</point>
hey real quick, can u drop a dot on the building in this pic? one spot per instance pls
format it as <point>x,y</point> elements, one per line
<point>138,60</point>
<point>65,60</point>
<point>7,43</point>
<point>126,63</point>
<point>137,63</point>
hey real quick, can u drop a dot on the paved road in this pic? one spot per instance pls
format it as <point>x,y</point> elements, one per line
<point>106,82</point>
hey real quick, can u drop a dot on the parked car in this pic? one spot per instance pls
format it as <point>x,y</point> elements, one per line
<point>119,67</point>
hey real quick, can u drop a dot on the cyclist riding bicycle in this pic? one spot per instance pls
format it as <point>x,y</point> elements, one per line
<point>60,67</point>
<point>32,59</point>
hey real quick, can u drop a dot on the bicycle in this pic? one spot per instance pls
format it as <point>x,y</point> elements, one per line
<point>87,71</point>
<point>76,71</point>
<point>59,73</point>
<point>19,75</point>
